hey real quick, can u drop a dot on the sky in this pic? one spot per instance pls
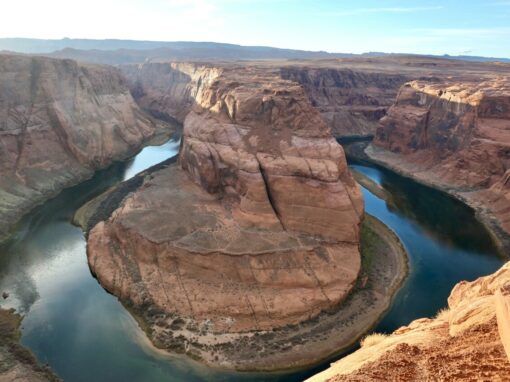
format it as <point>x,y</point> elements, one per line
<point>456,27</point>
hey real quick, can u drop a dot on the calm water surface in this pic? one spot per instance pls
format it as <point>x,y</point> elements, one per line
<point>85,334</point>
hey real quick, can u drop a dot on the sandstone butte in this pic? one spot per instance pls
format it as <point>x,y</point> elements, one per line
<point>255,229</point>
<point>61,121</point>
<point>454,134</point>
<point>468,341</point>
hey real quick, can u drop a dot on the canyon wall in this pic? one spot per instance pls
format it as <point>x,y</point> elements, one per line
<point>350,101</point>
<point>256,228</point>
<point>168,89</point>
<point>466,341</point>
<point>59,122</point>
<point>455,135</point>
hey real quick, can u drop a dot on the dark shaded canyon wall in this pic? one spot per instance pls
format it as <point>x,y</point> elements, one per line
<point>351,102</point>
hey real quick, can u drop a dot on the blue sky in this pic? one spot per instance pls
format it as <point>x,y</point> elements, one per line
<point>436,27</point>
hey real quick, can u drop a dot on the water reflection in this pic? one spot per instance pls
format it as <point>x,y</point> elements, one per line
<point>85,334</point>
<point>445,242</point>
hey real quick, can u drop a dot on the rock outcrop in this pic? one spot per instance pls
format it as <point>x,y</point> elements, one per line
<point>16,362</point>
<point>59,122</point>
<point>467,341</point>
<point>256,229</point>
<point>454,135</point>
<point>350,101</point>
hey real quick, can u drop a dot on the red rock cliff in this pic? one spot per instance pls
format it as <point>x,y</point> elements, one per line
<point>59,122</point>
<point>455,135</point>
<point>256,229</point>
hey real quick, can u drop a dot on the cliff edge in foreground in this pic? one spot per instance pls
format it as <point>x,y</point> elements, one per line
<point>468,341</point>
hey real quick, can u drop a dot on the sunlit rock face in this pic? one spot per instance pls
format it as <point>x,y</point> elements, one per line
<point>256,226</point>
<point>466,341</point>
<point>456,135</point>
<point>60,121</point>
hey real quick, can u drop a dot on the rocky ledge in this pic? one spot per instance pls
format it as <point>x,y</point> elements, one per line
<point>470,340</point>
<point>16,362</point>
<point>253,234</point>
<point>454,135</point>
<point>61,121</point>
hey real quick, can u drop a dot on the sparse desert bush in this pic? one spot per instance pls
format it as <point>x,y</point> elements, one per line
<point>372,339</point>
<point>442,314</point>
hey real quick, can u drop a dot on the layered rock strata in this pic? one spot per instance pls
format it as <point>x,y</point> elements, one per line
<point>257,229</point>
<point>454,135</point>
<point>350,101</point>
<point>59,122</point>
<point>467,341</point>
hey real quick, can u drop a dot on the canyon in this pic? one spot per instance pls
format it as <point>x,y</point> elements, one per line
<point>249,251</point>
<point>61,121</point>
<point>455,135</point>
<point>255,229</point>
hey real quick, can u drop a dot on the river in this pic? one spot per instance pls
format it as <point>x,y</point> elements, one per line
<point>84,334</point>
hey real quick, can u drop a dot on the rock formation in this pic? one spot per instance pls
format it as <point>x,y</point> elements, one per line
<point>350,101</point>
<point>454,135</point>
<point>467,341</point>
<point>16,362</point>
<point>257,229</point>
<point>60,121</point>
<point>351,94</point>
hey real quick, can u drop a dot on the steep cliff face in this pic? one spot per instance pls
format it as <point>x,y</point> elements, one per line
<point>455,135</point>
<point>60,121</point>
<point>467,341</point>
<point>351,102</point>
<point>168,89</point>
<point>256,229</point>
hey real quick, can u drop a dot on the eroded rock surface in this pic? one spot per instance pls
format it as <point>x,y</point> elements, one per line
<point>60,121</point>
<point>464,342</point>
<point>16,362</point>
<point>256,228</point>
<point>350,101</point>
<point>454,135</point>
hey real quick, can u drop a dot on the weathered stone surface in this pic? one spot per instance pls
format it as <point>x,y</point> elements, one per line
<point>16,362</point>
<point>502,297</point>
<point>350,101</point>
<point>454,135</point>
<point>461,343</point>
<point>256,228</point>
<point>59,122</point>
<point>179,247</point>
